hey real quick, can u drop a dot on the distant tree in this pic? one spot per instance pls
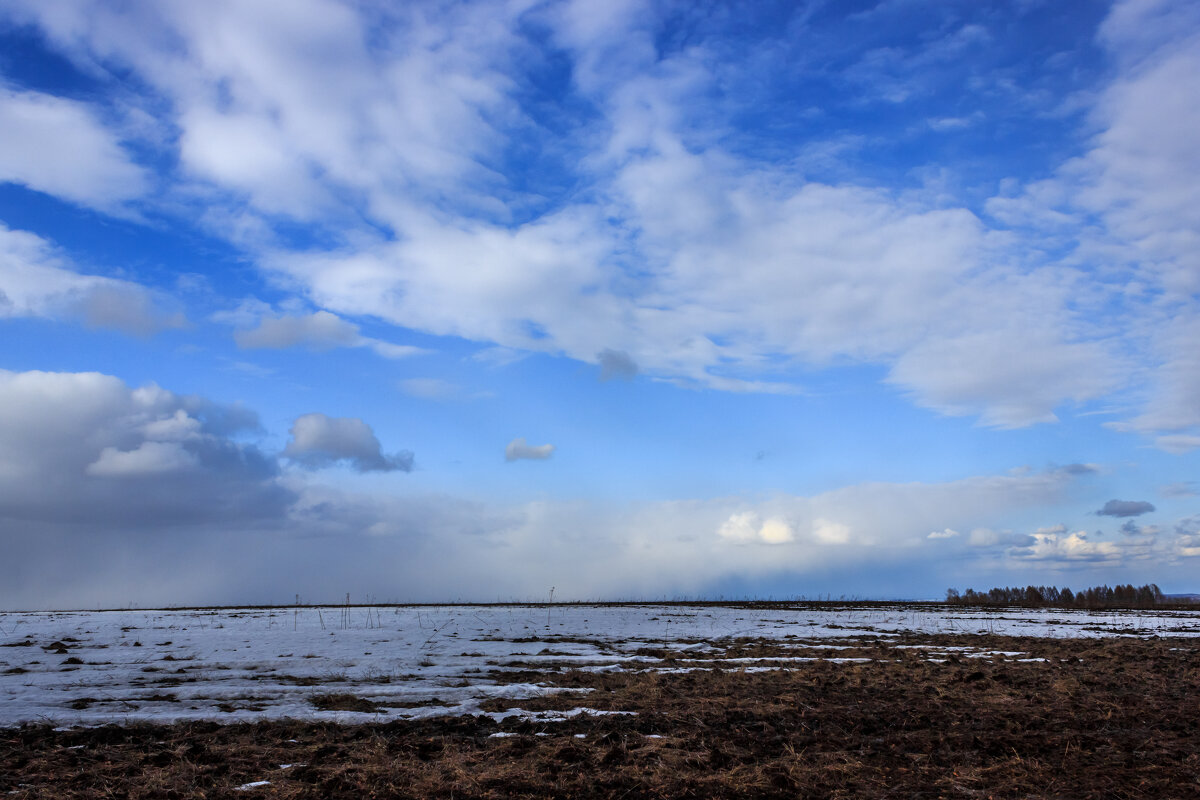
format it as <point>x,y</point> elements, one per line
<point>1120,596</point>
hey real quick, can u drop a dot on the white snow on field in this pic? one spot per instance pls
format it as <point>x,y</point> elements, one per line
<point>231,665</point>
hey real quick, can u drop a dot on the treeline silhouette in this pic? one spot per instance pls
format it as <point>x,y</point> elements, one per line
<point>1127,596</point>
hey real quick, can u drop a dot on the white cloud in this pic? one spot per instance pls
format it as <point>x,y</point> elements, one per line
<point>36,280</point>
<point>180,427</point>
<point>947,533</point>
<point>776,531</point>
<point>986,537</point>
<point>746,526</point>
<point>242,152</point>
<point>149,458</point>
<point>1187,537</point>
<point>830,532</point>
<point>90,468</point>
<point>430,388</point>
<point>1054,544</point>
<point>518,450</point>
<point>60,147</point>
<point>321,441</point>
<point>318,331</point>
<point>498,356</point>
<point>741,526</point>
<point>384,128</point>
<point>680,545</point>
<point>1170,407</point>
<point>943,124</point>
<point>34,276</point>
<point>1177,443</point>
<point>1130,210</point>
<point>85,449</point>
<point>285,104</point>
<point>391,350</point>
<point>1013,391</point>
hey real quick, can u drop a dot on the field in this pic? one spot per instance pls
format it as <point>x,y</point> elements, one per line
<point>754,700</point>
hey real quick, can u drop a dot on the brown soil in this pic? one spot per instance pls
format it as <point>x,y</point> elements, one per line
<point>1117,718</point>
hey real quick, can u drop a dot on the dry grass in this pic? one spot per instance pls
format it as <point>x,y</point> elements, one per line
<point>1098,719</point>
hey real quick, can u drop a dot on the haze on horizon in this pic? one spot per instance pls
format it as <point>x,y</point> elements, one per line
<point>463,301</point>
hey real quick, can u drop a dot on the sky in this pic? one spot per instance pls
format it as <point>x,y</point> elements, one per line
<point>479,301</point>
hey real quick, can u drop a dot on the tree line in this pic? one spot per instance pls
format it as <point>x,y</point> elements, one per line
<point>1126,596</point>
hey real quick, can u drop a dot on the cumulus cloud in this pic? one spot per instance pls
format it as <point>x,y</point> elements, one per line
<point>746,526</point>
<point>947,533</point>
<point>684,545</point>
<point>1188,546</point>
<point>1055,544</point>
<point>616,364</point>
<point>85,449</point>
<point>318,331</point>
<point>320,441</point>
<point>1187,537</point>
<point>740,527</point>
<point>518,450</point>
<point>1125,508</point>
<point>776,531</point>
<point>831,532</point>
<point>148,458</point>
<point>94,483</point>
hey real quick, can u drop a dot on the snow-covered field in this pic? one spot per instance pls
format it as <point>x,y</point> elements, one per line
<point>229,665</point>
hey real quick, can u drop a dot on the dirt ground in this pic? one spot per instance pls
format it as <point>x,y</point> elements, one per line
<point>1112,718</point>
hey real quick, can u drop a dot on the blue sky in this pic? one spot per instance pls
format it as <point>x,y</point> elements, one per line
<point>434,301</point>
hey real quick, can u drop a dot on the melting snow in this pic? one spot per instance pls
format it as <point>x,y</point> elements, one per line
<point>231,665</point>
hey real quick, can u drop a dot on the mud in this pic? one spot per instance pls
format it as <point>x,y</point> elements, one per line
<point>1115,718</point>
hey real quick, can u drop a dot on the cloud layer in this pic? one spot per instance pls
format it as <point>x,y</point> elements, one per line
<point>818,235</point>
<point>145,484</point>
<point>684,249</point>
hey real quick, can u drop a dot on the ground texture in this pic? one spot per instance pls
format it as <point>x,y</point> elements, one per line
<point>918,717</point>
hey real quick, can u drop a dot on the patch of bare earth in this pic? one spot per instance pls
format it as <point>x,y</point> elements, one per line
<point>1096,719</point>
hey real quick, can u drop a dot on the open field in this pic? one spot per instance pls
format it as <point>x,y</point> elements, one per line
<point>583,701</point>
